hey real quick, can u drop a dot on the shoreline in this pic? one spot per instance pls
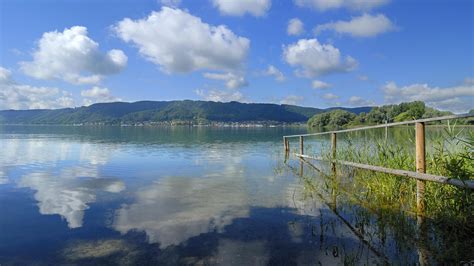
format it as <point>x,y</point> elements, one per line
<point>217,125</point>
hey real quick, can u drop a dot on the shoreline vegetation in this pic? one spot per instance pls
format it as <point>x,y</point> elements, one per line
<point>337,119</point>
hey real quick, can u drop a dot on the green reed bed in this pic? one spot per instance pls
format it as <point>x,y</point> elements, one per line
<point>449,209</point>
<point>450,154</point>
<point>448,231</point>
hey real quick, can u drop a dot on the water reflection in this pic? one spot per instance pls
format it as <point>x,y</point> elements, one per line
<point>69,193</point>
<point>16,152</point>
<point>60,187</point>
<point>96,154</point>
<point>230,252</point>
<point>184,196</point>
<point>3,177</point>
<point>20,151</point>
<point>174,209</point>
<point>223,203</point>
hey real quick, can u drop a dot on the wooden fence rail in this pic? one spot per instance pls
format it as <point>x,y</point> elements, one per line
<point>420,174</point>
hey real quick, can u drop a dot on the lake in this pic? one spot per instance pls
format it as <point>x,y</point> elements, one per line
<point>182,195</point>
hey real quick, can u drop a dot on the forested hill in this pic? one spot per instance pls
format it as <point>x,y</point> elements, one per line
<point>167,111</point>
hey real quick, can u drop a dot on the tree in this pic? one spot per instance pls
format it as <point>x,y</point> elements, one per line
<point>333,119</point>
<point>416,109</point>
<point>319,120</point>
<point>379,115</point>
<point>376,116</point>
<point>339,118</point>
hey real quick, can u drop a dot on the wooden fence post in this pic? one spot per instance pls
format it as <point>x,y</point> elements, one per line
<point>333,145</point>
<point>420,166</point>
<point>301,145</point>
<point>301,167</point>
<point>333,152</point>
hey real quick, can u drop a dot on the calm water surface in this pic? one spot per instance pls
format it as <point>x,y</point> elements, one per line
<point>111,195</point>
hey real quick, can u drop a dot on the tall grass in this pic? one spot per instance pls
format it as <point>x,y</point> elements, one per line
<point>449,210</point>
<point>451,155</point>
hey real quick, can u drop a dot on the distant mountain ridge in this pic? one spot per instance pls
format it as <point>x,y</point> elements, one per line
<point>186,111</point>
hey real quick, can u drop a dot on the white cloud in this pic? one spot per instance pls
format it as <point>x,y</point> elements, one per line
<point>330,96</point>
<point>5,76</point>
<point>316,59</point>
<point>359,101</point>
<point>216,95</point>
<point>241,7</point>
<point>295,27</point>
<point>232,80</point>
<point>362,26</point>
<point>273,71</point>
<point>18,96</point>
<point>317,84</point>
<point>456,99</point>
<point>180,42</point>
<point>323,5</point>
<point>292,100</point>
<point>363,77</point>
<point>170,3</point>
<point>73,57</point>
<point>97,95</point>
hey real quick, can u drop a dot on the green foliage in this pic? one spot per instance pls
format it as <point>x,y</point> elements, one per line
<point>405,116</point>
<point>431,112</point>
<point>414,110</point>
<point>334,119</point>
<point>379,115</point>
<point>319,120</point>
<point>376,116</point>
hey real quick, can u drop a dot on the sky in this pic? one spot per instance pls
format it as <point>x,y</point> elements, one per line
<point>318,53</point>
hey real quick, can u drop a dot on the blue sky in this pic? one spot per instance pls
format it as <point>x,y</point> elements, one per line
<point>317,53</point>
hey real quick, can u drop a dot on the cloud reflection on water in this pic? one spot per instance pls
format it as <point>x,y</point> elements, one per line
<point>59,188</point>
<point>69,193</point>
<point>174,209</point>
<point>3,177</point>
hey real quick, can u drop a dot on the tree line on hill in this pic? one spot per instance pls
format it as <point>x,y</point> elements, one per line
<point>379,115</point>
<point>165,112</point>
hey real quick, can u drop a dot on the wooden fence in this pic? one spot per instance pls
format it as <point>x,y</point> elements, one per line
<point>420,175</point>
